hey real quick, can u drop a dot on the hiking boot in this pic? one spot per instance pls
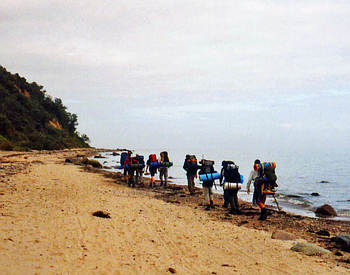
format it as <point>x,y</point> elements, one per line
<point>212,204</point>
<point>263,214</point>
<point>207,207</point>
<point>225,205</point>
<point>232,211</point>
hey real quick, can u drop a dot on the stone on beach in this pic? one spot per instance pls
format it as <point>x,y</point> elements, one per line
<point>310,249</point>
<point>325,210</point>
<point>282,235</point>
<point>343,240</point>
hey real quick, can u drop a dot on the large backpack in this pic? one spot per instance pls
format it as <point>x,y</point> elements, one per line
<point>267,173</point>
<point>207,166</point>
<point>153,157</point>
<point>123,156</point>
<point>192,163</point>
<point>231,173</point>
<point>164,157</point>
<point>140,159</point>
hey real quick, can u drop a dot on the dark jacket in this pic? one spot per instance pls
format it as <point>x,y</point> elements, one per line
<point>190,168</point>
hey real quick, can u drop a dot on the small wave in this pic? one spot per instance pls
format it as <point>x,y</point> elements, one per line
<point>303,203</point>
<point>344,212</point>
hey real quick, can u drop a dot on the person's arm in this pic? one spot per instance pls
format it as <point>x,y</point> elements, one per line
<point>185,166</point>
<point>251,175</point>
<point>221,175</point>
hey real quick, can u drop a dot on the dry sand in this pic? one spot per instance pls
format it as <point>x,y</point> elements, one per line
<point>47,227</point>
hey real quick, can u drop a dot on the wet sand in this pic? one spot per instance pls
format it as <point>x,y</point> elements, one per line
<point>47,227</point>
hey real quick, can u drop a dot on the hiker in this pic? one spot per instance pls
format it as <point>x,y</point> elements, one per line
<point>265,183</point>
<point>191,167</point>
<point>139,170</point>
<point>252,176</point>
<point>152,166</point>
<point>232,183</point>
<point>132,164</point>
<point>163,169</point>
<point>125,162</point>
<point>207,168</point>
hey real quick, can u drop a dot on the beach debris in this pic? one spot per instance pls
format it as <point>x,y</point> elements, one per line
<point>325,210</point>
<point>315,194</point>
<point>324,181</point>
<point>323,232</point>
<point>99,157</point>
<point>338,253</point>
<point>101,214</point>
<point>343,241</point>
<point>93,163</point>
<point>310,249</point>
<point>172,270</point>
<point>37,162</point>
<point>282,235</point>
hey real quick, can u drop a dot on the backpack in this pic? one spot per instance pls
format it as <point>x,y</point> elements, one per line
<point>192,163</point>
<point>164,157</point>
<point>231,173</point>
<point>141,159</point>
<point>123,156</point>
<point>153,157</point>
<point>267,173</point>
<point>207,166</point>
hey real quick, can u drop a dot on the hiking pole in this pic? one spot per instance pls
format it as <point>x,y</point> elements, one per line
<point>278,207</point>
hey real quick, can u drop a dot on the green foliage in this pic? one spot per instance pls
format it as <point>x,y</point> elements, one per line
<point>31,119</point>
<point>5,144</point>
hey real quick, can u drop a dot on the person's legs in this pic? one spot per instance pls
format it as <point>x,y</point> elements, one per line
<point>235,200</point>
<point>226,199</point>
<point>211,197</point>
<point>190,182</point>
<point>165,176</point>
<point>206,197</point>
<point>131,181</point>
<point>153,180</point>
<point>161,175</point>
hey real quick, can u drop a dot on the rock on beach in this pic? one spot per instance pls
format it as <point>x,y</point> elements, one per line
<point>310,249</point>
<point>326,210</point>
<point>282,235</point>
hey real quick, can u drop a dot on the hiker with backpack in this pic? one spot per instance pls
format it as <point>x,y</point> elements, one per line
<point>139,170</point>
<point>252,176</point>
<point>163,169</point>
<point>191,167</point>
<point>232,184</point>
<point>207,170</point>
<point>265,184</point>
<point>152,166</point>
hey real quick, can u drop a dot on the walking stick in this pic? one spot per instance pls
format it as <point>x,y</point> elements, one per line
<point>278,207</point>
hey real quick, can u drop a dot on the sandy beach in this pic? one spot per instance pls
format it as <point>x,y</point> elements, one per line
<point>47,227</point>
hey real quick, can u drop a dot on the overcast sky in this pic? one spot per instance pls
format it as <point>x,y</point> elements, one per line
<point>189,73</point>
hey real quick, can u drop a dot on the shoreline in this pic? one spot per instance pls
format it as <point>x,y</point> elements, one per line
<point>290,202</point>
<point>36,183</point>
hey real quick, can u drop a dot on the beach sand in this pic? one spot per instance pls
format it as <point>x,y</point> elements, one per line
<point>47,227</point>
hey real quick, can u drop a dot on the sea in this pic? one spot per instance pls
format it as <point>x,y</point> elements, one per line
<point>299,175</point>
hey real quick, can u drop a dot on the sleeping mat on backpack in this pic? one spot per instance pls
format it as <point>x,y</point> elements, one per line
<point>209,177</point>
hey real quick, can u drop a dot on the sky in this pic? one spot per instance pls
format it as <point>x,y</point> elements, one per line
<point>248,75</point>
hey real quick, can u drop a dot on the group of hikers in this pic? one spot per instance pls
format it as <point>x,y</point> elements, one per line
<point>263,176</point>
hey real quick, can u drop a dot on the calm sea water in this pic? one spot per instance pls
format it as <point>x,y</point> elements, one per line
<point>299,174</point>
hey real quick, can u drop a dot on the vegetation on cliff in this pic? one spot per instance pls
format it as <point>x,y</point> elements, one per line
<point>31,119</point>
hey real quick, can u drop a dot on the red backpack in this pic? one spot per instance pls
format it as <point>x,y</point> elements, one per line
<point>153,157</point>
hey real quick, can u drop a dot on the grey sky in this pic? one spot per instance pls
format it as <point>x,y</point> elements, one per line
<point>189,73</point>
